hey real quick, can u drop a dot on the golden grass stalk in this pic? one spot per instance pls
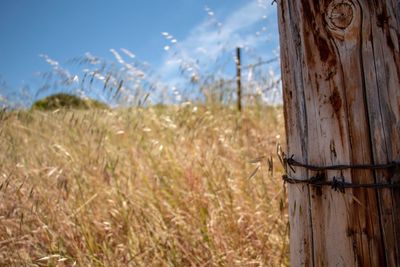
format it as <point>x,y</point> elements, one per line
<point>156,186</point>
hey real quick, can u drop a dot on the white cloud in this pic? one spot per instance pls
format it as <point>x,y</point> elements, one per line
<point>212,38</point>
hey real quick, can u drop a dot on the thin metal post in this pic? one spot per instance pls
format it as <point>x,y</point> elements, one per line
<point>238,79</point>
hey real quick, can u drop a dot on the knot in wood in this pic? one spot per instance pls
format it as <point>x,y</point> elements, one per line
<point>340,14</point>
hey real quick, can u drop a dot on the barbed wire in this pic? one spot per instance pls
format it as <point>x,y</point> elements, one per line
<point>291,162</point>
<point>337,183</point>
<point>260,63</point>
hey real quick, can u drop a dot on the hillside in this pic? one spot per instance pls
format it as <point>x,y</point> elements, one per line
<point>67,101</point>
<point>163,186</point>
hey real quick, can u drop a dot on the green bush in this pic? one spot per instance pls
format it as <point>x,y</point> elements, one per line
<point>67,101</point>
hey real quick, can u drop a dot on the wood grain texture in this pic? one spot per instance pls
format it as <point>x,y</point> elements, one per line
<point>341,69</point>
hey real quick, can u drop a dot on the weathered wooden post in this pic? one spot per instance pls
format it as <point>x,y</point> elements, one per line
<point>239,79</point>
<point>341,70</point>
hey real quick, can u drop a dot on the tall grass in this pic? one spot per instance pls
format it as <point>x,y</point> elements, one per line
<point>178,185</point>
<point>156,181</point>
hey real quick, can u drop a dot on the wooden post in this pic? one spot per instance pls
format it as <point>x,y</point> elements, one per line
<point>341,85</point>
<point>239,79</point>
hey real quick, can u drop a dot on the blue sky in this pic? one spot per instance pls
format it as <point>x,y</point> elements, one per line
<point>165,34</point>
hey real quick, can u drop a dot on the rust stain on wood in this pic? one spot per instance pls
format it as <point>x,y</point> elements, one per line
<point>336,100</point>
<point>313,29</point>
<point>389,41</point>
<point>323,48</point>
<point>382,19</point>
<point>333,149</point>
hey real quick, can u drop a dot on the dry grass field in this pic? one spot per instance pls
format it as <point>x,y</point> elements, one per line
<point>158,186</point>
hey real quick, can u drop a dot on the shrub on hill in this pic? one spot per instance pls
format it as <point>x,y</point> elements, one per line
<point>67,101</point>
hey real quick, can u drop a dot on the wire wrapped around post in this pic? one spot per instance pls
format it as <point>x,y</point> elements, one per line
<point>337,183</point>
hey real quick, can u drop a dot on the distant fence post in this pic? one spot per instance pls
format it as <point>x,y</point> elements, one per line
<point>239,79</point>
<point>341,87</point>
